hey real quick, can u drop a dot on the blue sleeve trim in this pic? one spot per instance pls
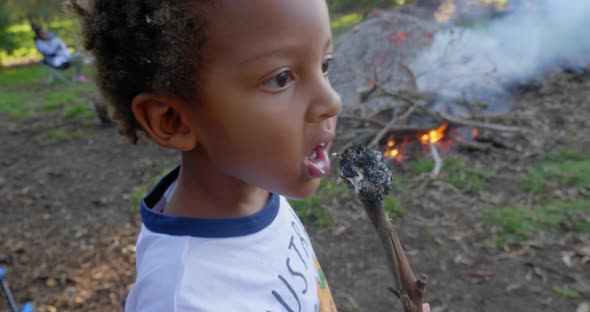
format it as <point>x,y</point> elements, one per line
<point>201,227</point>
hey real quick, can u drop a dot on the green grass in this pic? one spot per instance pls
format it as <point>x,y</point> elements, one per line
<point>393,207</point>
<point>17,105</point>
<point>23,95</point>
<point>139,192</point>
<point>566,292</point>
<point>24,104</point>
<point>80,110</point>
<point>553,171</point>
<point>11,78</point>
<point>313,210</point>
<point>62,134</point>
<point>519,224</point>
<point>563,168</point>
<point>456,172</point>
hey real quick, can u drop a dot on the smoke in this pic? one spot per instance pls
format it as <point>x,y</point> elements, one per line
<point>479,63</point>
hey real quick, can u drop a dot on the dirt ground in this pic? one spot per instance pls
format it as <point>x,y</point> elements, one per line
<point>68,226</point>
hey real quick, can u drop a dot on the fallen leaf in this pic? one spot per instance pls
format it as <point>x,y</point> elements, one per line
<point>480,273</point>
<point>566,257</point>
<point>51,282</point>
<point>582,250</point>
<point>583,307</point>
<point>513,287</point>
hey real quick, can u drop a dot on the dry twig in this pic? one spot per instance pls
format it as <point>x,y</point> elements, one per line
<point>416,101</point>
<point>388,128</point>
<point>437,159</point>
<point>366,173</point>
<point>478,124</point>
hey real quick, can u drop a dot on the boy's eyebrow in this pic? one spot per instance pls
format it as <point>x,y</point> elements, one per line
<point>279,51</point>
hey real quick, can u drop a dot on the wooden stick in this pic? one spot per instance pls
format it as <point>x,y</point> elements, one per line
<point>366,173</point>
<point>408,289</point>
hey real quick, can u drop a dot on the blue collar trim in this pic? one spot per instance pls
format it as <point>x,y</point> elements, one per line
<point>200,227</point>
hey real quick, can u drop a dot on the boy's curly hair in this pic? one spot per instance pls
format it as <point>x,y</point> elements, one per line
<point>141,46</point>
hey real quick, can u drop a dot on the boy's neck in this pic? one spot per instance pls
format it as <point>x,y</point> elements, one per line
<point>202,192</point>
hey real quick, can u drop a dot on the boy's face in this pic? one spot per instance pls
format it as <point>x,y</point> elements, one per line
<point>267,112</point>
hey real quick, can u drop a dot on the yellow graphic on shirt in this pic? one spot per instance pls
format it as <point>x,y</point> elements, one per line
<point>324,294</point>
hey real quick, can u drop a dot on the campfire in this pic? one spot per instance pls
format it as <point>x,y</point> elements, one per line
<point>395,147</point>
<point>401,138</point>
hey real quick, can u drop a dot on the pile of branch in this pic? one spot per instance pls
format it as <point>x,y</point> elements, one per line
<point>370,131</point>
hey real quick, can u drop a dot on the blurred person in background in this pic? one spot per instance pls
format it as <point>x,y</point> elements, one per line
<point>56,54</point>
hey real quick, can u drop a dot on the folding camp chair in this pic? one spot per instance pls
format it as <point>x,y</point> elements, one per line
<point>27,307</point>
<point>75,64</point>
<point>55,73</point>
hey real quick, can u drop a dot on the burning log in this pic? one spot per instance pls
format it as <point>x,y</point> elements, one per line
<point>366,173</point>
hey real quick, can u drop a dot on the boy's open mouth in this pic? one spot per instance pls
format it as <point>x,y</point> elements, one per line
<point>317,163</point>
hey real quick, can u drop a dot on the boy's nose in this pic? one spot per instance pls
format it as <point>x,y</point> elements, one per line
<point>326,102</point>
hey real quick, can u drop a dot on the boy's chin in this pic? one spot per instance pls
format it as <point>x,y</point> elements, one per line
<point>304,191</point>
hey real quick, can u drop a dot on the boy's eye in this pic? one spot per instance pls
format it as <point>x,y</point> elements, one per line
<point>326,65</point>
<point>279,81</point>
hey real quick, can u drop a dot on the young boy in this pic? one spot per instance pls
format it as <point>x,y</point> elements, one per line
<point>241,90</point>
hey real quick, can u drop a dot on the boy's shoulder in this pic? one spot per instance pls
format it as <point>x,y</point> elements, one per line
<point>156,284</point>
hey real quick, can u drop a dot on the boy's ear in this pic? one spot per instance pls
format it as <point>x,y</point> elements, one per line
<point>166,120</point>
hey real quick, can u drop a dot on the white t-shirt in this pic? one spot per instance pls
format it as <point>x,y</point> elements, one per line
<point>54,50</point>
<point>263,262</point>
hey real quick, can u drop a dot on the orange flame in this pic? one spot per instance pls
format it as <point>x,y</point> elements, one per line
<point>391,152</point>
<point>395,147</point>
<point>434,135</point>
<point>402,36</point>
